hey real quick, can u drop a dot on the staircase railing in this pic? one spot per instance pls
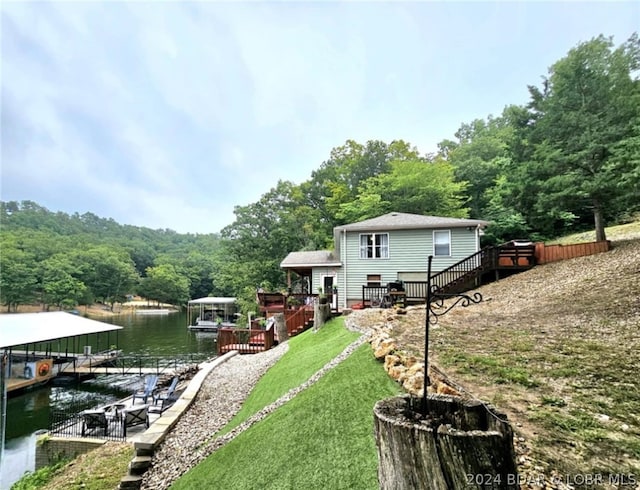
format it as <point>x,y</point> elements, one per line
<point>460,274</point>
<point>297,319</point>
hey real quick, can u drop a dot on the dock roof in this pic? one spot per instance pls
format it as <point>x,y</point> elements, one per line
<point>212,300</point>
<point>29,328</point>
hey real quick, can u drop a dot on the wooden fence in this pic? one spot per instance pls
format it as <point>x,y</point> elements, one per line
<point>554,253</point>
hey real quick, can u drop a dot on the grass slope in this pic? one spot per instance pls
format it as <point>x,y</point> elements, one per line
<point>100,469</point>
<point>307,353</point>
<point>321,439</point>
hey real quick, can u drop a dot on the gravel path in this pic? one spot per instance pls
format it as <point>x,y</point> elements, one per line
<point>219,399</point>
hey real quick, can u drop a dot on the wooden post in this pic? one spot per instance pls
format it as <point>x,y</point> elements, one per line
<point>281,327</point>
<point>460,444</point>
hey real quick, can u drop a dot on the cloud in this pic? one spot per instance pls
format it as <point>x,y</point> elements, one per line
<point>168,114</point>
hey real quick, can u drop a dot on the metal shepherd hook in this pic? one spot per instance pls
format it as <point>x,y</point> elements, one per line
<point>436,308</point>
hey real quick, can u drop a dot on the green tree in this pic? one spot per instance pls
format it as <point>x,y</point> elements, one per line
<point>109,273</point>
<point>60,286</point>
<point>262,234</point>
<point>586,128</point>
<point>411,187</point>
<point>478,157</point>
<point>339,178</point>
<point>18,277</point>
<point>165,284</point>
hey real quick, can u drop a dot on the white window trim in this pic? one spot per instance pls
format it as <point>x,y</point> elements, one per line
<point>361,249</point>
<point>434,242</point>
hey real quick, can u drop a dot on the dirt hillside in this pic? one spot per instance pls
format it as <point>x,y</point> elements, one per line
<point>558,349</point>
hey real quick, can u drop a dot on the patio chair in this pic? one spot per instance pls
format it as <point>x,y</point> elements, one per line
<point>168,395</point>
<point>134,415</point>
<point>94,419</point>
<point>150,383</point>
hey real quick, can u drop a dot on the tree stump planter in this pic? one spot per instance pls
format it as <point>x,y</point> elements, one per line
<point>461,444</point>
<point>281,327</point>
<point>321,315</point>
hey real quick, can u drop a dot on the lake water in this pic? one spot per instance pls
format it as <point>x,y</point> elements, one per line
<point>164,336</point>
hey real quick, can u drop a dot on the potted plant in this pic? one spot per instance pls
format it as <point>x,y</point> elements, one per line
<point>292,302</point>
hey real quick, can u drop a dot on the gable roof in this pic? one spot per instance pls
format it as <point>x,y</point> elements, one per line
<point>406,221</point>
<point>314,258</point>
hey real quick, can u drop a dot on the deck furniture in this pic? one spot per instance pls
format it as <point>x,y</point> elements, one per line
<point>94,419</point>
<point>150,383</point>
<point>134,415</point>
<point>168,395</point>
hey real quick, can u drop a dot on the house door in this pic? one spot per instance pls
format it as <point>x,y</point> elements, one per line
<point>327,287</point>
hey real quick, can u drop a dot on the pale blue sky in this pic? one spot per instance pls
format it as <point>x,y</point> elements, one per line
<point>168,114</point>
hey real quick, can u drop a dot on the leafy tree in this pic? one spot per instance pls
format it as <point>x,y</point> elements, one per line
<point>478,157</point>
<point>338,179</point>
<point>585,131</point>
<point>263,234</point>
<point>108,273</point>
<point>165,284</point>
<point>18,277</point>
<point>60,286</point>
<point>506,223</point>
<point>412,187</point>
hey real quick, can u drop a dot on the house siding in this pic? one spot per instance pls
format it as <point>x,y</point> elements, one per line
<point>408,253</point>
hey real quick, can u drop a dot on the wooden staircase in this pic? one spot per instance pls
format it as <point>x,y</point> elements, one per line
<point>298,320</point>
<point>471,271</point>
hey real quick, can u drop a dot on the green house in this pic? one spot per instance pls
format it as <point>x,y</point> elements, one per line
<point>390,248</point>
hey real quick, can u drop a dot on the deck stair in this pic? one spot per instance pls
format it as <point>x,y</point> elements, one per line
<point>483,266</point>
<point>469,272</point>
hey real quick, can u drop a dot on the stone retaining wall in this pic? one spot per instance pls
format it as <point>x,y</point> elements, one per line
<point>50,450</point>
<point>406,369</point>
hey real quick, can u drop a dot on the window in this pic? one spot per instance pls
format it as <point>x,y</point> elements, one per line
<point>442,243</point>
<point>374,280</point>
<point>374,246</point>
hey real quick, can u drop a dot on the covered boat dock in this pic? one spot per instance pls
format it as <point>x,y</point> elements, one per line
<point>32,365</point>
<point>212,313</point>
<point>32,346</point>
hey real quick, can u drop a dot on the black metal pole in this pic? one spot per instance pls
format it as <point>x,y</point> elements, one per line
<point>4,361</point>
<point>426,338</point>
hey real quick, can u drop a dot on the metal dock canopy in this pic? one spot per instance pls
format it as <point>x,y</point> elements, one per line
<point>28,328</point>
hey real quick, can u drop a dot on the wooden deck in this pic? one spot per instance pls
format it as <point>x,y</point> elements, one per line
<point>17,384</point>
<point>29,373</point>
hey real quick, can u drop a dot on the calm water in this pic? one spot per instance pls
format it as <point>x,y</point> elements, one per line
<point>149,335</point>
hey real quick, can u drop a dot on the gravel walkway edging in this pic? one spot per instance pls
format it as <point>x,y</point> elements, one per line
<point>175,460</point>
<point>148,441</point>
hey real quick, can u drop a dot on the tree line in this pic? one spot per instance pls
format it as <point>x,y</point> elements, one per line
<point>566,161</point>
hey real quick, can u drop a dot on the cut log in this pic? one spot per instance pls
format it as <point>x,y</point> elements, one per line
<point>281,327</point>
<point>459,444</point>
<point>321,313</point>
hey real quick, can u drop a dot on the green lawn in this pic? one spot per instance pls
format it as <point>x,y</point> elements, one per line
<point>323,438</point>
<point>307,353</point>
